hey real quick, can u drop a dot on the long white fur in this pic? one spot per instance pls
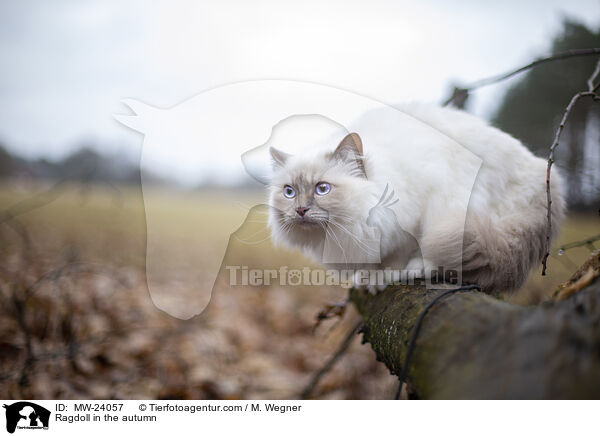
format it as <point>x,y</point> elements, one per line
<point>492,227</point>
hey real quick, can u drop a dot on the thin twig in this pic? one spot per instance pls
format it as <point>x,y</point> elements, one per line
<point>331,310</point>
<point>592,79</point>
<point>582,94</point>
<point>464,91</point>
<point>588,242</point>
<point>308,390</point>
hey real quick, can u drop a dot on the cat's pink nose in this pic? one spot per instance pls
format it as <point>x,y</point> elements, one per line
<point>302,210</point>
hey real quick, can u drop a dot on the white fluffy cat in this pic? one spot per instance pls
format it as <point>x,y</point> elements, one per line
<point>432,187</point>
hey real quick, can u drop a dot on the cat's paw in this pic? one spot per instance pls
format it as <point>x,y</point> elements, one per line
<point>415,265</point>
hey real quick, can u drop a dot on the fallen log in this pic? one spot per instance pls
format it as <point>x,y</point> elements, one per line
<point>475,346</point>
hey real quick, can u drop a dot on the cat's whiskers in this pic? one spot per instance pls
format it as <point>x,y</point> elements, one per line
<point>360,244</point>
<point>286,227</point>
<point>329,232</point>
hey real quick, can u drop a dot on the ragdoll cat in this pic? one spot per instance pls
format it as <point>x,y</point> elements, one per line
<point>466,196</point>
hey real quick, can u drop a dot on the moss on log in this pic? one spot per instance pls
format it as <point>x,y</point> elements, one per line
<point>472,345</point>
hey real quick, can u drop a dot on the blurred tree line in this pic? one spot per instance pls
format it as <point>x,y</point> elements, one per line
<point>83,165</point>
<point>531,110</point>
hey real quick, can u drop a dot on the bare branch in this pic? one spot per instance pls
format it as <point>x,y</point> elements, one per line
<point>460,355</point>
<point>592,79</point>
<point>463,92</point>
<point>561,126</point>
<point>587,242</point>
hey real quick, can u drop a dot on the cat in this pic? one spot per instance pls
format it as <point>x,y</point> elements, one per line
<point>469,197</point>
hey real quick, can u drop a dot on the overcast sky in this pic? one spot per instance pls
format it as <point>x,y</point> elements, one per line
<point>65,65</point>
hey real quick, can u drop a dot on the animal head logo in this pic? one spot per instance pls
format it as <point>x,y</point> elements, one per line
<point>26,415</point>
<point>215,128</point>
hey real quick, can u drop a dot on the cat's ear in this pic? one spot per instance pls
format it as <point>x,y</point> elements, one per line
<point>350,145</point>
<point>351,150</point>
<point>278,156</point>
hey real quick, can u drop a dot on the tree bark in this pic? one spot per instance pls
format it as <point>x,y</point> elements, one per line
<point>474,346</point>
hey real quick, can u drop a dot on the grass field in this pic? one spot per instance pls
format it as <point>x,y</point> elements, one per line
<point>76,306</point>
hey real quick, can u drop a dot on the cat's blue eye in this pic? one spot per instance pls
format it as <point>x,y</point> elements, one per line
<point>288,191</point>
<point>323,188</point>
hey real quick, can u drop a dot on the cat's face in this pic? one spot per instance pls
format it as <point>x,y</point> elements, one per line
<point>312,193</point>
